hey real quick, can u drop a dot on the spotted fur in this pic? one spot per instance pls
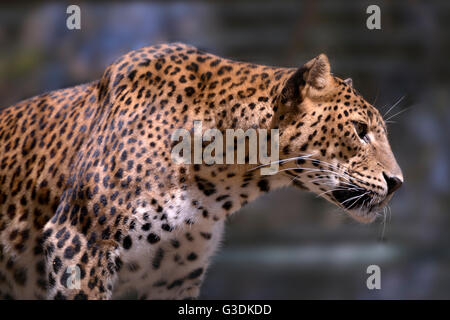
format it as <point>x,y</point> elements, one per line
<point>86,178</point>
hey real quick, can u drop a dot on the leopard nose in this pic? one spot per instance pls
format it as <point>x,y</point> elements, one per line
<point>393,183</point>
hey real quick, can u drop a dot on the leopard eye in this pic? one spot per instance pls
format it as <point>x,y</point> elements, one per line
<point>361,130</point>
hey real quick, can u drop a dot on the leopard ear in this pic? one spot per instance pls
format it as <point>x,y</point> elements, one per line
<point>318,74</point>
<point>349,82</point>
<point>315,73</point>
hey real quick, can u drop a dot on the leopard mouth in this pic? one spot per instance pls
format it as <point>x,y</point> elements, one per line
<point>360,203</point>
<point>352,199</point>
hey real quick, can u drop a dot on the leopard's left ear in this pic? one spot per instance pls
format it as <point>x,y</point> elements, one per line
<point>318,74</point>
<point>349,82</point>
<point>315,74</point>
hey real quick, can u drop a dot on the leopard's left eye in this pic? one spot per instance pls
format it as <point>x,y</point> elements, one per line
<point>361,130</point>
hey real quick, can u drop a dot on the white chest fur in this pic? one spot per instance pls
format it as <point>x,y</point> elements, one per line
<point>168,253</point>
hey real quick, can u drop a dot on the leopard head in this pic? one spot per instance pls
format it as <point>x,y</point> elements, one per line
<point>334,143</point>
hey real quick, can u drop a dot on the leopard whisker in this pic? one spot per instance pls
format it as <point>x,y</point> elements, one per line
<point>391,108</point>
<point>324,182</point>
<point>340,182</point>
<point>398,113</point>
<point>281,161</point>
<point>357,198</point>
<point>337,168</point>
<point>332,190</point>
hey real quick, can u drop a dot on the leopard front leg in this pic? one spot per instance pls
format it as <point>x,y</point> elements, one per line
<point>179,287</point>
<point>78,268</point>
<point>172,267</point>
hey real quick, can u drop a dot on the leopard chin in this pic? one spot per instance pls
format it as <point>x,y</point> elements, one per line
<point>363,216</point>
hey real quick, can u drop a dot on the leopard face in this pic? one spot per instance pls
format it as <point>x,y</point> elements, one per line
<point>335,142</point>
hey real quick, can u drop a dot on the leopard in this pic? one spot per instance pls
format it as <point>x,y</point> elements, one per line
<point>92,205</point>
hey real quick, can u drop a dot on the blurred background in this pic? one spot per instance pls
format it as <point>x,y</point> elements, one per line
<point>288,244</point>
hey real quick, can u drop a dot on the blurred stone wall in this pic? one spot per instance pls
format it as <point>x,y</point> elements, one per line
<point>288,244</point>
